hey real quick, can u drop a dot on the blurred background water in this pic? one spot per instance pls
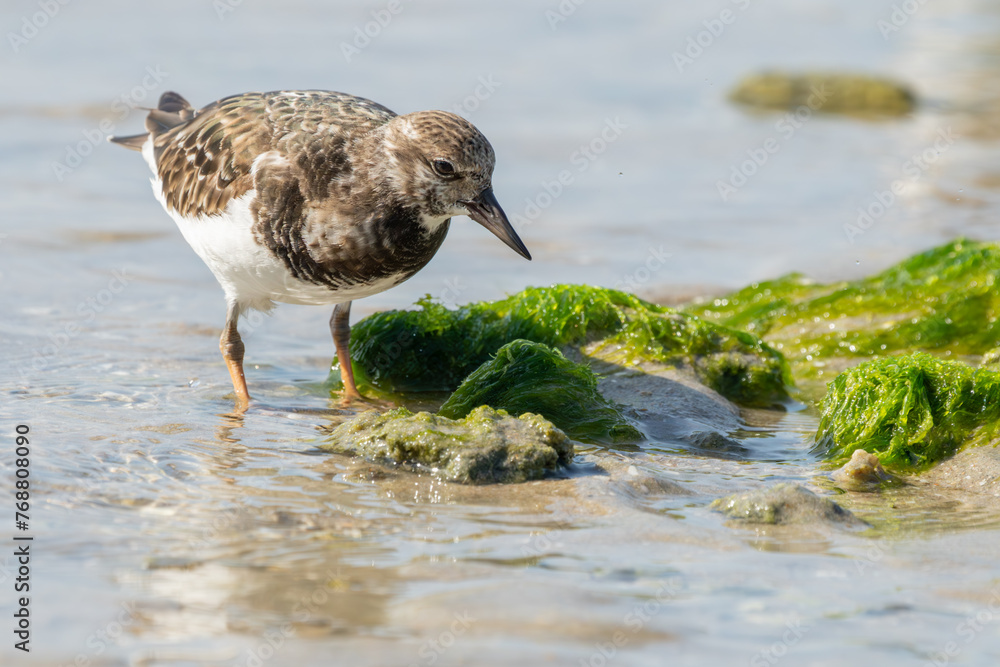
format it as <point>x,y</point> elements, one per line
<point>169,533</point>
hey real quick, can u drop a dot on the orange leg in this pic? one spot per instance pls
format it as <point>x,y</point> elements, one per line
<point>340,327</point>
<point>231,346</point>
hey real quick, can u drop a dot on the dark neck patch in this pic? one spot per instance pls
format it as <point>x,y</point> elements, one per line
<point>390,242</point>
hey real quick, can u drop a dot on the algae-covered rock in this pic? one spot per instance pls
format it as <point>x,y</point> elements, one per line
<point>783,503</point>
<point>910,411</point>
<point>434,348</point>
<point>487,446</point>
<point>853,94</point>
<point>864,472</point>
<point>532,377</point>
<point>945,300</point>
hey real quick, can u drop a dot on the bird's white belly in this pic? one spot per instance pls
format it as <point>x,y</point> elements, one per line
<point>247,271</point>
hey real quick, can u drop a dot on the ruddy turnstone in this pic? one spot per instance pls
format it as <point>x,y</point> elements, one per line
<point>314,197</point>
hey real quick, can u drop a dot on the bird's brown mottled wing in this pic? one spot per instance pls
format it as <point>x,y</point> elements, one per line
<point>206,162</point>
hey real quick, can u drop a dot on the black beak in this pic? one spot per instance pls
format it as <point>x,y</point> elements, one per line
<point>485,209</point>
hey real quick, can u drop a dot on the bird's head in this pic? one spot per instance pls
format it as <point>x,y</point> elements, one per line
<point>444,164</point>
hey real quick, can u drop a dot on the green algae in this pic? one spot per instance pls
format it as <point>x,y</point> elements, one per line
<point>851,94</point>
<point>910,411</point>
<point>434,348</point>
<point>783,503</point>
<point>486,447</point>
<point>907,405</point>
<point>944,300</point>
<point>532,377</point>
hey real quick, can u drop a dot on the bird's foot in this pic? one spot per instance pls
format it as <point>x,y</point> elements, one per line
<point>240,405</point>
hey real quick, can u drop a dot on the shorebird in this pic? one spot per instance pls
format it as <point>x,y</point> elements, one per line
<point>314,197</point>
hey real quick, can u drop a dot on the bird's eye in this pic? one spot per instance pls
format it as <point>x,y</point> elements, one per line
<point>444,168</point>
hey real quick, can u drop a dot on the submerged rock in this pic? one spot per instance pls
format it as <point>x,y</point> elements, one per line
<point>828,92</point>
<point>783,503</point>
<point>944,300</point>
<point>532,377</point>
<point>714,444</point>
<point>911,411</point>
<point>435,349</point>
<point>864,472</point>
<point>673,408</point>
<point>486,447</point>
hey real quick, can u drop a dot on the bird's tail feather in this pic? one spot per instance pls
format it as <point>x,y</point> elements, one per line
<point>133,142</point>
<point>172,110</point>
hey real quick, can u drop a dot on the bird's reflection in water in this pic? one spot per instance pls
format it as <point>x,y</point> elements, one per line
<point>228,424</point>
<point>279,536</point>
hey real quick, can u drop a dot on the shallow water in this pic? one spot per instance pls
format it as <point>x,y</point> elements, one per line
<point>167,533</point>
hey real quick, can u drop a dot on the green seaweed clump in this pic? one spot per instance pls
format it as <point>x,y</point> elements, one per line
<point>852,94</point>
<point>486,447</point>
<point>783,503</point>
<point>910,411</point>
<point>533,377</point>
<point>944,299</point>
<point>434,348</point>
